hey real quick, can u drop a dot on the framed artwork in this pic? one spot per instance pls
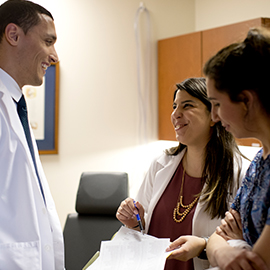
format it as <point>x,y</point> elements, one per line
<point>43,110</point>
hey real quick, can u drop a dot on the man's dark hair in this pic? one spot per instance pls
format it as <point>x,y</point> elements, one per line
<point>23,13</point>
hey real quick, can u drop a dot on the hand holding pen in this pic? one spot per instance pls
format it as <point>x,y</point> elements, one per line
<point>130,213</point>
<point>138,218</point>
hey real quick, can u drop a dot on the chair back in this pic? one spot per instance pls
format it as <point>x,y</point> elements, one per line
<point>99,196</point>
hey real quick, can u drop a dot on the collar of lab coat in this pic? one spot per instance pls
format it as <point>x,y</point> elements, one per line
<point>11,85</point>
<point>9,94</point>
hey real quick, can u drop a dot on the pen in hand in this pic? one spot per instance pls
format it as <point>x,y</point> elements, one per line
<point>138,218</point>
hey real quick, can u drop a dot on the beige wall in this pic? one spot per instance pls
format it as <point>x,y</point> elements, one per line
<point>215,13</point>
<point>99,114</point>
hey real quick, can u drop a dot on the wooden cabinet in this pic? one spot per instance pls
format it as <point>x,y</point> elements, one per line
<point>215,39</point>
<point>178,58</point>
<point>183,56</point>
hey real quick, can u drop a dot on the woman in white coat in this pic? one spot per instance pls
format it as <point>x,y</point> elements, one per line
<point>188,189</point>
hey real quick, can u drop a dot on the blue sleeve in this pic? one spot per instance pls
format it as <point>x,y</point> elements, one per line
<point>268,212</point>
<point>236,202</point>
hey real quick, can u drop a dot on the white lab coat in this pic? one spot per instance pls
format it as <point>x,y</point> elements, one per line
<point>30,232</point>
<point>156,181</point>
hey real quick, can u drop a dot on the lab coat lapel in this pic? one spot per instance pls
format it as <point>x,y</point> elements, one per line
<point>203,219</point>
<point>164,176</point>
<point>11,113</point>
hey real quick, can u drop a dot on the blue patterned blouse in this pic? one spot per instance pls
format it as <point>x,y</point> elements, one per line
<point>252,200</point>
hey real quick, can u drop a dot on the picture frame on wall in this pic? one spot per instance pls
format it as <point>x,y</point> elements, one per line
<point>43,110</point>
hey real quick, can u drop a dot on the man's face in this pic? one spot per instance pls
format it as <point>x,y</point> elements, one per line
<point>36,52</point>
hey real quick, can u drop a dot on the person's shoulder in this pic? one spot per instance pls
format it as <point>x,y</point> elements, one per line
<point>256,160</point>
<point>164,159</point>
<point>160,159</point>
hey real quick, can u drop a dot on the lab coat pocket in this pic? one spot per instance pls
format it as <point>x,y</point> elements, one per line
<point>20,256</point>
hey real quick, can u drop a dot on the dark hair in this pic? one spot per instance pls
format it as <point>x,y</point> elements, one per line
<point>243,66</point>
<point>218,171</point>
<point>23,13</point>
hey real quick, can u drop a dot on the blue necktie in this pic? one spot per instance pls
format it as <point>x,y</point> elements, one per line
<point>22,111</point>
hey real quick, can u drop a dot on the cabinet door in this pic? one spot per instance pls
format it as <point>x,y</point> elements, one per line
<point>215,39</point>
<point>178,59</point>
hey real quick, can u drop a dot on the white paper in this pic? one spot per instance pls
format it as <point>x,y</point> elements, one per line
<point>132,250</point>
<point>125,234</point>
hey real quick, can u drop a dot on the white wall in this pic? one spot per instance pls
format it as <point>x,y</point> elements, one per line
<point>215,13</point>
<point>99,115</point>
<point>98,83</point>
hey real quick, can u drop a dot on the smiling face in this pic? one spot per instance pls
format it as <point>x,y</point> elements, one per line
<point>36,52</point>
<point>191,120</point>
<point>231,114</point>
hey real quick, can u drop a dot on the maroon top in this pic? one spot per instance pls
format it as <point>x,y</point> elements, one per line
<point>162,224</point>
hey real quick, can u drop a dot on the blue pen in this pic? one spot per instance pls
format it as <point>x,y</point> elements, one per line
<point>138,218</point>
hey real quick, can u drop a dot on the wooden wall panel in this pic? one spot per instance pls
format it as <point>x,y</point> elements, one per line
<point>249,142</point>
<point>215,39</point>
<point>178,58</point>
<point>183,56</point>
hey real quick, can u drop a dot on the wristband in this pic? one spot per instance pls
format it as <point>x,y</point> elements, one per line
<point>203,254</point>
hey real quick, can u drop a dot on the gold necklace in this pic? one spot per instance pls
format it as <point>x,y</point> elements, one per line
<point>180,203</point>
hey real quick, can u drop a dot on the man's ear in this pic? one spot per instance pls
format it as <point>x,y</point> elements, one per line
<point>12,34</point>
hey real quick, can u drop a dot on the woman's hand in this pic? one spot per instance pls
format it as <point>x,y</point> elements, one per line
<point>226,257</point>
<point>231,227</point>
<point>186,247</point>
<point>126,213</point>
<point>231,258</point>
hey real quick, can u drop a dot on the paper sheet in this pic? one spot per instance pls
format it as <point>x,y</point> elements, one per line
<point>132,250</point>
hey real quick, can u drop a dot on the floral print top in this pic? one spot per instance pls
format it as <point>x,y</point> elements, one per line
<point>252,200</point>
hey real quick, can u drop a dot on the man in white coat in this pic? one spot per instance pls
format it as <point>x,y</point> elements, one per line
<point>30,232</point>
